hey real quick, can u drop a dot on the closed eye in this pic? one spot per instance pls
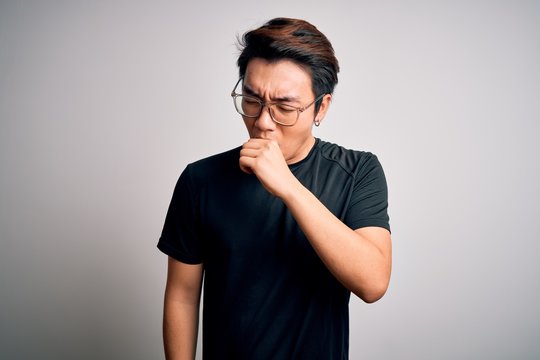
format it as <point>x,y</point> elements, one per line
<point>285,108</point>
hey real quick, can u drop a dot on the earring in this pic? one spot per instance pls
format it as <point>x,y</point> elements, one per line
<point>317,122</point>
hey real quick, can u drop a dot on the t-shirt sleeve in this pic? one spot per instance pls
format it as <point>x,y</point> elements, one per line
<point>369,200</point>
<point>181,235</point>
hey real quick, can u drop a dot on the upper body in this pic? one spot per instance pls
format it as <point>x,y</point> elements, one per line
<point>283,228</point>
<point>267,293</point>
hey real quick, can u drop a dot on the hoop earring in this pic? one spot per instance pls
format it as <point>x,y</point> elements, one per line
<point>317,122</point>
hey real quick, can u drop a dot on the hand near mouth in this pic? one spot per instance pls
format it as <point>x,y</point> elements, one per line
<point>264,158</point>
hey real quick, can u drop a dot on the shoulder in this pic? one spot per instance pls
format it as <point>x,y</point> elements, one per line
<point>351,161</point>
<point>213,168</point>
<point>218,158</point>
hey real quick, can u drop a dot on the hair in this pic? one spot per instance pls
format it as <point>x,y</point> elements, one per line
<point>296,40</point>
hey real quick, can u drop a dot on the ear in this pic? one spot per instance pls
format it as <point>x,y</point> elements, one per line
<point>325,104</point>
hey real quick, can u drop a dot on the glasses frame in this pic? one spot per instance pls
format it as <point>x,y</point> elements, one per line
<point>269,105</point>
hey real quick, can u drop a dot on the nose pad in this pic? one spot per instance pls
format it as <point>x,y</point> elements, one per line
<point>264,121</point>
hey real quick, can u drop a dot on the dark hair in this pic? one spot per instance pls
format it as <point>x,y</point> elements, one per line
<point>296,40</point>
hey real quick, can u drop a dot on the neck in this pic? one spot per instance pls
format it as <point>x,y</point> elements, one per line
<point>302,151</point>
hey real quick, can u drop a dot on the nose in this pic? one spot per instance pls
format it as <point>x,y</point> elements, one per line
<point>264,122</point>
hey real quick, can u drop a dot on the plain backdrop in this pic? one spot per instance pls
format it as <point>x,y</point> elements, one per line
<point>103,104</point>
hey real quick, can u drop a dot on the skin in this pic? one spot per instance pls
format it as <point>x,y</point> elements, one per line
<point>181,309</point>
<point>277,82</point>
<point>359,258</point>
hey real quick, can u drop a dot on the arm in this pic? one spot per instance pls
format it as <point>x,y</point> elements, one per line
<point>360,259</point>
<point>181,309</point>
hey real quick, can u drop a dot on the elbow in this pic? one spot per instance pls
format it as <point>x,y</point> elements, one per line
<point>372,293</point>
<point>371,297</point>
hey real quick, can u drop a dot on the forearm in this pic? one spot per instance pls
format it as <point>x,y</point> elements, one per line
<point>180,329</point>
<point>360,264</point>
<point>360,260</point>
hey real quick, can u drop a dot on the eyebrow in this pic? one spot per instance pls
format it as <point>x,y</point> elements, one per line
<point>246,89</point>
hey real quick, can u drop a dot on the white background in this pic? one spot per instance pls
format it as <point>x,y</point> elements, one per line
<point>103,103</point>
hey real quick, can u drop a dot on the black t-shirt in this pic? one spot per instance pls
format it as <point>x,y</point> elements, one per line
<point>267,295</point>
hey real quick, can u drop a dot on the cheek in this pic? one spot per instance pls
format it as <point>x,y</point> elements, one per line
<point>292,135</point>
<point>248,124</point>
<point>302,128</point>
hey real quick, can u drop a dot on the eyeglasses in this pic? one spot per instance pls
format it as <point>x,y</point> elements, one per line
<point>251,107</point>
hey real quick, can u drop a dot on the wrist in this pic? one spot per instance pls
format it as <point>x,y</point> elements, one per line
<point>293,191</point>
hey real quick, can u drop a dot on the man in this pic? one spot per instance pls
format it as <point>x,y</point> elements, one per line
<point>284,227</point>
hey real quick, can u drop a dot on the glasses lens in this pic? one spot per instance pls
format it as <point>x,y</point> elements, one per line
<point>247,105</point>
<point>251,107</point>
<point>284,114</point>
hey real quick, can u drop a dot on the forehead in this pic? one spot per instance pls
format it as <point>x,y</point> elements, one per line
<point>277,78</point>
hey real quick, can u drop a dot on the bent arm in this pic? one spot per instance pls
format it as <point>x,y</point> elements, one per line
<point>181,309</point>
<point>360,259</point>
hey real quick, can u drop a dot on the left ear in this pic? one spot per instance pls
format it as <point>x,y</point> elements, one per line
<point>325,104</point>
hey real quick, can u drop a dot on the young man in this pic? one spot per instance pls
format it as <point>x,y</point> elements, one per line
<point>285,226</point>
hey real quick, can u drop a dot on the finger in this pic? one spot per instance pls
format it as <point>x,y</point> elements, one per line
<point>260,141</point>
<point>252,153</point>
<point>252,144</point>
<point>245,166</point>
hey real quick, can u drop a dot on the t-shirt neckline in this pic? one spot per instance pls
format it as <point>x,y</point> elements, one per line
<point>308,156</point>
